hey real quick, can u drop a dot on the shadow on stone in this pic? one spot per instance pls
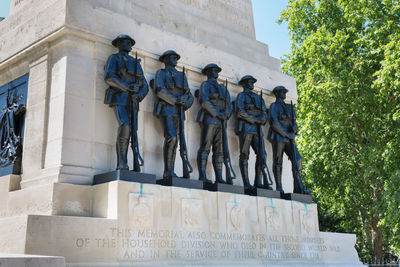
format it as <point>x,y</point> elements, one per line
<point>181,182</point>
<point>227,188</point>
<point>297,197</point>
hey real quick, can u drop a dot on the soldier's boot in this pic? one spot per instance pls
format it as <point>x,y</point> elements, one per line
<point>299,187</point>
<point>136,164</point>
<point>169,153</point>
<point>277,170</point>
<point>202,165</point>
<point>244,171</point>
<point>258,177</point>
<point>122,147</point>
<point>217,164</point>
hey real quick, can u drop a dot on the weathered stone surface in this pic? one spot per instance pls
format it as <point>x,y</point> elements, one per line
<point>146,224</point>
<point>21,260</point>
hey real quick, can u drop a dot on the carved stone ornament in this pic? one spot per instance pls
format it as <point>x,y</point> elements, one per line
<point>272,219</point>
<point>235,216</point>
<point>191,213</point>
<point>307,222</point>
<point>141,207</point>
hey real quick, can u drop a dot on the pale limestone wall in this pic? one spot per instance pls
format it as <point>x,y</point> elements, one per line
<point>70,133</point>
<point>136,224</point>
<point>26,26</point>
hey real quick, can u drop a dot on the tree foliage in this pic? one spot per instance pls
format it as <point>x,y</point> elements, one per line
<point>345,56</point>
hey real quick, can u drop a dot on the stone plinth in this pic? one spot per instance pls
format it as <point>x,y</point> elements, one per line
<point>18,260</point>
<point>133,224</point>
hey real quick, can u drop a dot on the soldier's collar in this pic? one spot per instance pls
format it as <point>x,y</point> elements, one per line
<point>170,68</point>
<point>123,53</point>
<point>280,101</point>
<point>212,80</point>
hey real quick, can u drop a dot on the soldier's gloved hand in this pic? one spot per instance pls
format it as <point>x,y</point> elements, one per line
<point>134,87</point>
<point>221,116</point>
<point>291,136</point>
<point>181,100</point>
<point>21,108</point>
<point>263,120</point>
<point>134,98</point>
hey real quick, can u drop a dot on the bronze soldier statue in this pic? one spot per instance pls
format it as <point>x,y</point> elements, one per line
<point>282,131</point>
<point>173,98</point>
<point>251,114</point>
<point>216,109</point>
<point>128,86</point>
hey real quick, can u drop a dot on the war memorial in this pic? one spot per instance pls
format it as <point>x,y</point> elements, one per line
<point>150,133</point>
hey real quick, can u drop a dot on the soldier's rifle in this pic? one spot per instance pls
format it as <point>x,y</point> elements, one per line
<point>137,158</point>
<point>230,173</point>
<point>295,167</point>
<point>262,157</point>
<point>186,167</point>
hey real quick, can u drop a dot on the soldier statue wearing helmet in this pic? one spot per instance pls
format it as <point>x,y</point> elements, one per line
<point>216,108</point>
<point>251,112</point>
<point>127,87</point>
<point>282,131</point>
<point>173,98</point>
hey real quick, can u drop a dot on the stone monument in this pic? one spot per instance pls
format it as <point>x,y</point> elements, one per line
<point>53,210</point>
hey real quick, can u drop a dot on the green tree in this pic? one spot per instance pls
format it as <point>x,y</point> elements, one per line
<point>345,56</point>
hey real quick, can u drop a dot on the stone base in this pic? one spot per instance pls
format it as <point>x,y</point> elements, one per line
<point>224,188</point>
<point>85,241</point>
<point>297,197</point>
<point>122,175</point>
<point>137,224</point>
<point>21,260</point>
<point>181,182</point>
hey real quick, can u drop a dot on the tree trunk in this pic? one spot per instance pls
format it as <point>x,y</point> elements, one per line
<point>376,234</point>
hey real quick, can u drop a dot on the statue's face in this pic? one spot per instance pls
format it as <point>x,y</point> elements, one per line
<point>282,94</point>
<point>249,84</point>
<point>125,45</point>
<point>171,60</point>
<point>212,73</point>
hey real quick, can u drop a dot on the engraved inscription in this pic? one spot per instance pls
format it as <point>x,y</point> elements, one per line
<point>151,244</point>
<point>233,14</point>
<point>18,2</point>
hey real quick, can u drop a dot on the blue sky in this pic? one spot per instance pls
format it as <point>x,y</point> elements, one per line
<point>266,13</point>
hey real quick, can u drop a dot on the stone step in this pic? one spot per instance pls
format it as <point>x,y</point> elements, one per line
<point>23,260</point>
